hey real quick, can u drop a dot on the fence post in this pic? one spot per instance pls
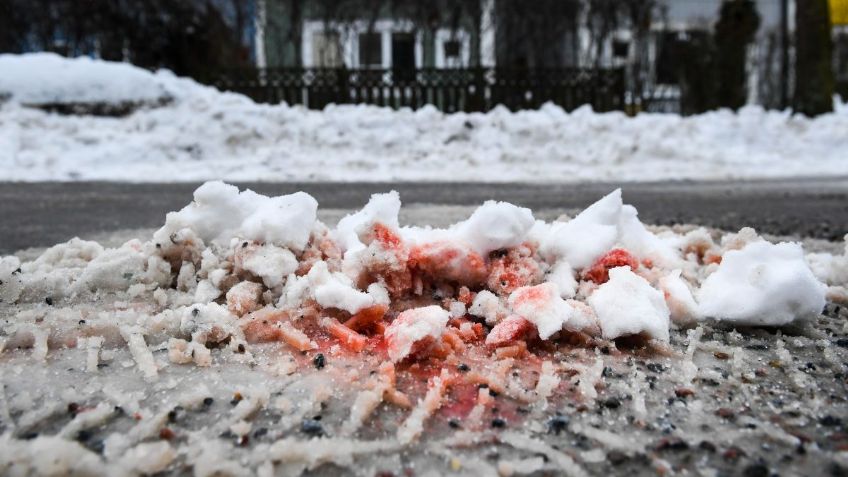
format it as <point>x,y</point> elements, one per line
<point>343,93</point>
<point>477,101</point>
<point>621,83</point>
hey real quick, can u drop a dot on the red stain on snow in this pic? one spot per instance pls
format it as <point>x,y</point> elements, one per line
<point>511,329</point>
<point>617,257</point>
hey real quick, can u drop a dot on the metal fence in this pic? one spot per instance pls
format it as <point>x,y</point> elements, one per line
<point>450,90</point>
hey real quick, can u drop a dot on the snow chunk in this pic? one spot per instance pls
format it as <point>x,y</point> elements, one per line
<point>487,305</point>
<point>641,242</point>
<point>271,264</point>
<point>679,298</point>
<point>381,208</point>
<point>828,268</point>
<point>10,280</point>
<point>149,457</point>
<point>762,284</point>
<point>330,290</point>
<point>244,298</point>
<point>562,275</point>
<point>113,269</point>
<point>628,305</point>
<point>582,240</point>
<point>335,294</point>
<point>220,213</point>
<point>543,306</point>
<point>495,226</point>
<point>412,326</point>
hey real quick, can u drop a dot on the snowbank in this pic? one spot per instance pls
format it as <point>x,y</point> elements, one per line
<point>47,78</point>
<point>204,134</point>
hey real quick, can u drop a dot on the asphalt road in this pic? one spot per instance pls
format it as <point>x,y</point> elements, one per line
<point>42,214</point>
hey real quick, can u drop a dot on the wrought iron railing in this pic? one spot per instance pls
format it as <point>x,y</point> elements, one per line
<point>450,90</point>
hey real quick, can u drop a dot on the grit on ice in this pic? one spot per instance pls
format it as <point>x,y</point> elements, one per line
<point>184,131</point>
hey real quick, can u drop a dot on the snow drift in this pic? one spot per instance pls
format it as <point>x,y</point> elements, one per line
<point>205,134</point>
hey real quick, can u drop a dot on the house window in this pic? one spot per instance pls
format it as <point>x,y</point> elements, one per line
<point>370,50</point>
<point>403,51</point>
<point>666,67</point>
<point>326,49</point>
<point>620,48</point>
<point>452,49</point>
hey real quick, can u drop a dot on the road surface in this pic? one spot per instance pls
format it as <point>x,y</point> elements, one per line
<point>42,214</point>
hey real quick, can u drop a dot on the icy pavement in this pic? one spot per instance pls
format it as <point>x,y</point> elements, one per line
<point>764,403</point>
<point>204,134</point>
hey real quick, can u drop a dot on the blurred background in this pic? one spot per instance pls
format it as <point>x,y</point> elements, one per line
<point>684,56</point>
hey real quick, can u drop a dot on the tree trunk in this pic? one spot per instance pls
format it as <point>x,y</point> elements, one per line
<point>813,63</point>
<point>735,30</point>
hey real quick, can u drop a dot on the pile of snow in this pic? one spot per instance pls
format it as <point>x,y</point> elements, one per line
<point>47,78</point>
<point>602,273</point>
<point>204,134</point>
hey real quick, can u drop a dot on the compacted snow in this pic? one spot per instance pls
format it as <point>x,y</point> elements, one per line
<point>202,134</point>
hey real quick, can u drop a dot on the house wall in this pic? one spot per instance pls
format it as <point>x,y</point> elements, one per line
<point>289,24</point>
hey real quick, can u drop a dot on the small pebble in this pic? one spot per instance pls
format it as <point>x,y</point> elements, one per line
<point>673,444</point>
<point>611,403</point>
<point>656,367</point>
<point>756,470</point>
<point>616,457</point>
<point>684,392</point>
<point>732,454</point>
<point>311,427</point>
<point>707,446</point>
<point>319,361</point>
<point>830,421</point>
<point>558,423</point>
